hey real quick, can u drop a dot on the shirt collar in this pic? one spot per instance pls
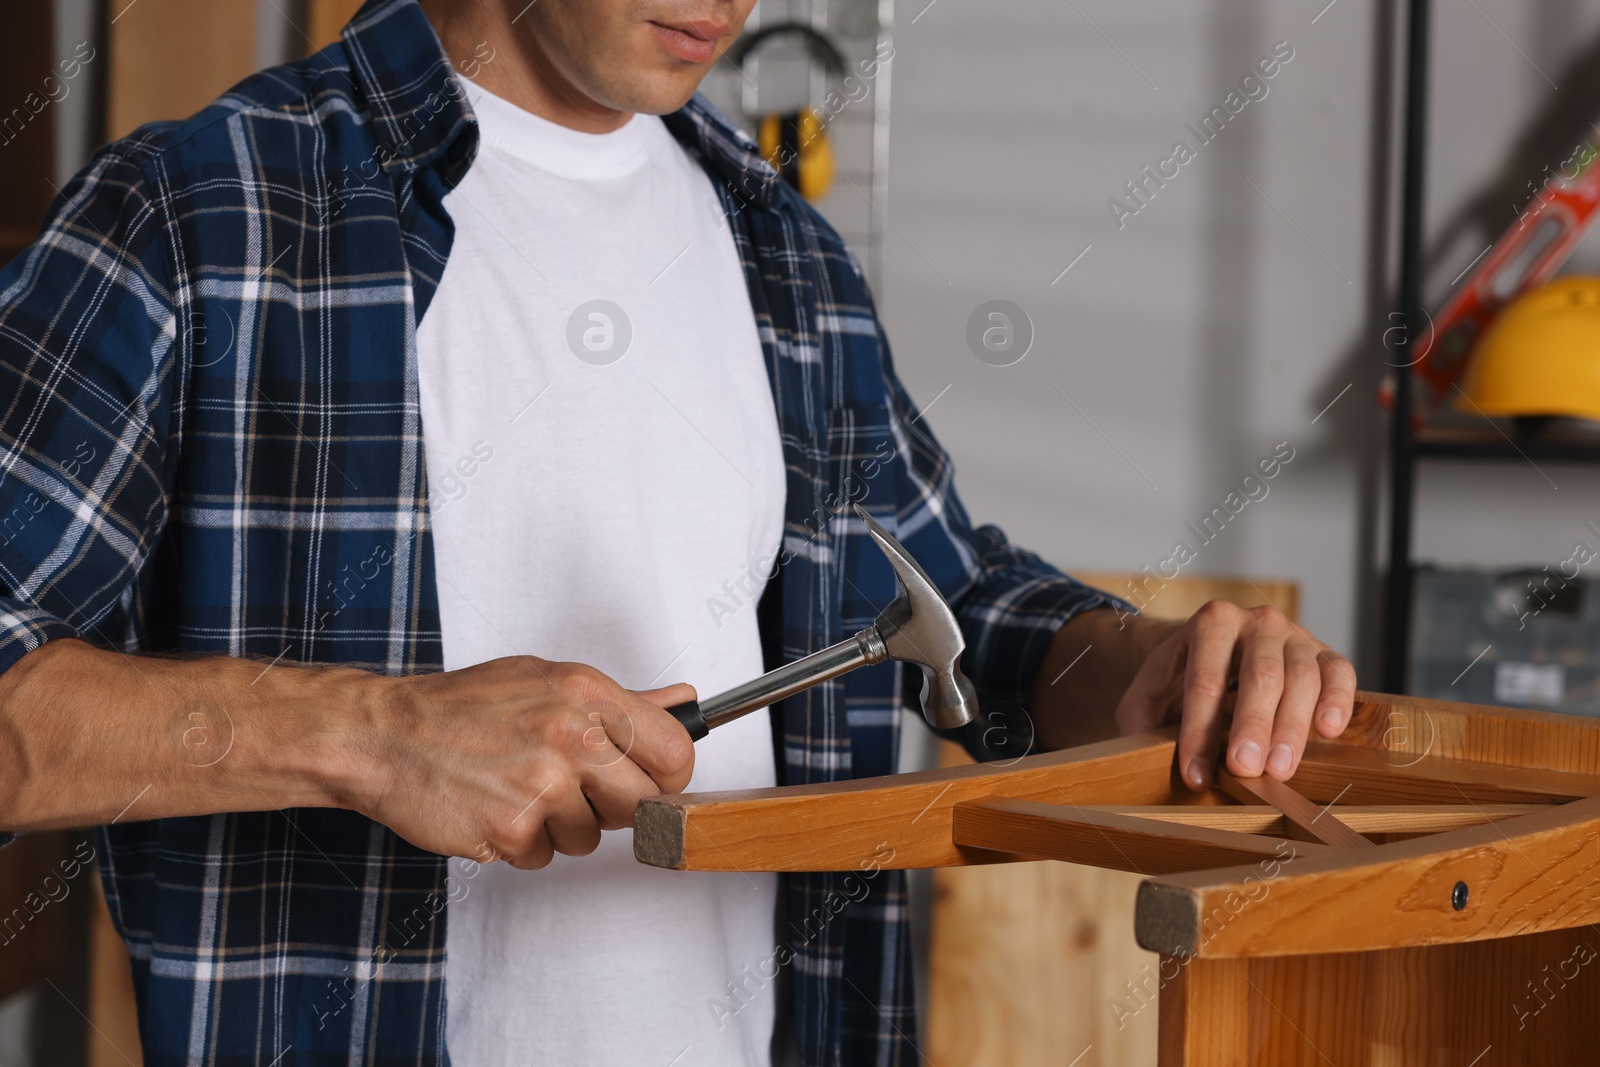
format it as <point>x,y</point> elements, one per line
<point>726,151</point>
<point>421,115</point>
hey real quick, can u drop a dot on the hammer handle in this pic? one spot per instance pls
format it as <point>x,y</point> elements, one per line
<point>692,718</point>
<point>698,717</point>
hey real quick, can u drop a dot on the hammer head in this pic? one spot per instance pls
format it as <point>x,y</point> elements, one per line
<point>919,627</point>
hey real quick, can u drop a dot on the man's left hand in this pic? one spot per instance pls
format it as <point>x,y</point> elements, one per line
<point>1285,682</point>
<point>1114,672</point>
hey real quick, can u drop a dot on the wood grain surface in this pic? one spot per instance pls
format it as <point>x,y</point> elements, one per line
<point>1108,839</point>
<point>1515,1002</point>
<point>1026,960</point>
<point>1364,819</point>
<point>32,934</point>
<point>1306,821</point>
<point>1527,874</point>
<point>325,18</point>
<point>1205,1012</point>
<point>840,825</point>
<point>30,70</point>
<point>1347,774</point>
<point>170,59</point>
<point>112,1010</point>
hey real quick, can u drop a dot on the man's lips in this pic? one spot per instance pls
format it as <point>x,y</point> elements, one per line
<point>692,42</point>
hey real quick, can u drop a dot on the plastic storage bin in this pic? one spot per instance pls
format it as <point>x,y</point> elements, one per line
<point>1525,638</point>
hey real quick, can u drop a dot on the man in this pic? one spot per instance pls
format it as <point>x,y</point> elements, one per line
<point>473,388</point>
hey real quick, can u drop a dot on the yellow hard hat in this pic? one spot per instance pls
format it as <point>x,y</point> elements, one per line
<point>1541,356</point>
<point>797,146</point>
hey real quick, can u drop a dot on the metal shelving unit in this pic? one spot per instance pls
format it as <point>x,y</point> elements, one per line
<point>1472,444</point>
<point>1408,446</point>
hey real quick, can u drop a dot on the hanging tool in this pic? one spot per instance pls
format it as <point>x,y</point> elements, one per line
<point>795,143</point>
<point>917,627</point>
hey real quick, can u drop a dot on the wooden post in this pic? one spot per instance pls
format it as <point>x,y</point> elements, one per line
<point>32,934</point>
<point>325,18</point>
<point>1204,1012</point>
<point>170,59</point>
<point>113,1013</point>
<point>29,74</point>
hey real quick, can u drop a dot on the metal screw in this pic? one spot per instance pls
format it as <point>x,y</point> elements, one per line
<point>1458,896</point>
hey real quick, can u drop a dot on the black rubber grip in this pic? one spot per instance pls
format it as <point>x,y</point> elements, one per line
<point>692,718</point>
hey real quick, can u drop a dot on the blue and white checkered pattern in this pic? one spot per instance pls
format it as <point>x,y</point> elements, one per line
<point>209,420</point>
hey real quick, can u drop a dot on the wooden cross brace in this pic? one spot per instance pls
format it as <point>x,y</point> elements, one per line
<point>1426,823</point>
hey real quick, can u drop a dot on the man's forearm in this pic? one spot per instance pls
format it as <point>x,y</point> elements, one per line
<point>89,736</point>
<point>1090,664</point>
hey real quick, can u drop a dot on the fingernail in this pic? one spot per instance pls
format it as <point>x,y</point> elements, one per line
<point>1199,772</point>
<point>1248,757</point>
<point>1330,718</point>
<point>1280,759</point>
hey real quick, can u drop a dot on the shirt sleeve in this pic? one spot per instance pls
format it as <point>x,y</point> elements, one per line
<point>1008,601</point>
<point>88,338</point>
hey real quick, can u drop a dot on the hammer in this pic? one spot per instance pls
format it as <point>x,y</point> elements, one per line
<point>917,627</point>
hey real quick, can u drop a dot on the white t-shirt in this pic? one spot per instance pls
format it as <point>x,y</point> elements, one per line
<point>605,475</point>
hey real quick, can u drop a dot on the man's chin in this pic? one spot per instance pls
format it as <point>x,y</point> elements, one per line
<point>660,93</point>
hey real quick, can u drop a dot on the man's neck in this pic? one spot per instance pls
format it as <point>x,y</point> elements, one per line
<point>519,70</point>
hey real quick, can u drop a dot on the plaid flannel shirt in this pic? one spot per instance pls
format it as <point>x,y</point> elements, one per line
<point>209,420</point>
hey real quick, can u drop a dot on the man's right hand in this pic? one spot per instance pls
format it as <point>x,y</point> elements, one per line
<point>520,758</point>
<point>514,759</point>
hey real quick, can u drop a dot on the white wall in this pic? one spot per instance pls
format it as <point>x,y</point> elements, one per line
<point>1222,317</point>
